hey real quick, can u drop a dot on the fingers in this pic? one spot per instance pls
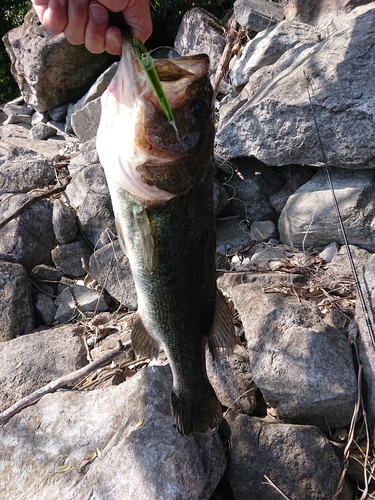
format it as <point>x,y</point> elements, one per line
<point>77,20</point>
<point>52,14</point>
<point>87,21</point>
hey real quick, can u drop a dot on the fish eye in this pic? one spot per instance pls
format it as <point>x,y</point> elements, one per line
<point>199,109</point>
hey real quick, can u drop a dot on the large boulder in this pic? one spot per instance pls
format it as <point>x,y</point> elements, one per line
<point>309,217</point>
<point>129,433</point>
<point>272,118</point>
<point>48,69</point>
<point>298,459</point>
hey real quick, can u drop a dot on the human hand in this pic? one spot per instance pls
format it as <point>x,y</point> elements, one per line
<point>88,21</point>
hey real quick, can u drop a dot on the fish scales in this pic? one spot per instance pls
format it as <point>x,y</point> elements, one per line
<point>166,224</point>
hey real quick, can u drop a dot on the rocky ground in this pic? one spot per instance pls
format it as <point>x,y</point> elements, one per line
<point>290,390</point>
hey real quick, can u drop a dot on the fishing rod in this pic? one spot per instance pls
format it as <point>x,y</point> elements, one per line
<point>341,222</point>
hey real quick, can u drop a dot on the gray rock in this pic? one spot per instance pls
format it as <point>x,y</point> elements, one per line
<point>32,361</point>
<point>16,310</point>
<point>303,367</point>
<point>42,131</point>
<point>140,451</point>
<point>341,96</point>
<point>83,117</point>
<point>89,152</point>
<point>18,119</point>
<point>257,15</point>
<point>298,459</point>
<point>250,186</point>
<point>88,193</point>
<point>327,15</point>
<point>48,69</point>
<point>64,222</point>
<point>38,118</point>
<point>24,170</point>
<point>268,46</point>
<point>201,32</point>
<point>329,252</point>
<point>45,309</point>
<point>231,235</point>
<point>294,181</point>
<point>71,258</point>
<point>262,230</point>
<point>110,267</point>
<point>58,114</point>
<point>29,237</point>
<point>46,276</point>
<point>231,379</point>
<point>85,121</point>
<point>309,218</point>
<point>365,343</point>
<point>76,300</point>
<point>17,107</point>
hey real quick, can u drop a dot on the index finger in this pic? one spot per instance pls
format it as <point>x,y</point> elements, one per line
<point>52,14</point>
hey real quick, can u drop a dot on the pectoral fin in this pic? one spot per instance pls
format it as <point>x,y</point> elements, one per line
<point>222,338</point>
<point>143,342</point>
<point>143,224</point>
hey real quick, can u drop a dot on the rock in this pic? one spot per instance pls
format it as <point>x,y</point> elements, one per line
<point>29,237</point>
<point>38,118</point>
<point>135,412</point>
<point>45,309</point>
<point>268,46</point>
<point>48,69</point>
<point>84,116</point>
<point>46,276</point>
<point>256,14</point>
<point>340,89</point>
<point>42,131</point>
<point>76,300</point>
<point>329,252</point>
<point>250,185</point>
<point>58,114</point>
<point>262,230</point>
<point>34,360</point>
<point>64,222</point>
<point>89,152</point>
<point>18,119</point>
<point>201,32</point>
<point>325,14</point>
<point>339,275</point>
<point>231,235</point>
<point>303,367</point>
<point>309,217</point>
<point>24,170</point>
<point>71,258</point>
<point>16,310</point>
<point>17,107</point>
<point>88,193</point>
<point>110,267</point>
<point>303,465</point>
<point>294,181</point>
<point>366,344</point>
<point>231,379</point>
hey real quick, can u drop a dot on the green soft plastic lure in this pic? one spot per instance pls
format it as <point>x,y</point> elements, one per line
<point>147,64</point>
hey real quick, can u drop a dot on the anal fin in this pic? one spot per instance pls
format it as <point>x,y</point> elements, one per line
<point>143,342</point>
<point>222,338</point>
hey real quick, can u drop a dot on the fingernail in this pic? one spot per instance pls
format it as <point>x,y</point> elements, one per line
<point>112,40</point>
<point>97,12</point>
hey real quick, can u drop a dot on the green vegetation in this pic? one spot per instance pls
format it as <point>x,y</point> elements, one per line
<point>12,13</point>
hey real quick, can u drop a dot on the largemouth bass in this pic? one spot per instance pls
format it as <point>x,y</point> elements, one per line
<point>161,184</point>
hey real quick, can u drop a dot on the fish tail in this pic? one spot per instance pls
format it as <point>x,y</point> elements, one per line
<point>199,415</point>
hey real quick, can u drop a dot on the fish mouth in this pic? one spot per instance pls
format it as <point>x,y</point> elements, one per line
<point>139,149</point>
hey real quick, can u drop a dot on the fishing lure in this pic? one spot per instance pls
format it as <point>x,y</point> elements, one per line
<point>147,64</point>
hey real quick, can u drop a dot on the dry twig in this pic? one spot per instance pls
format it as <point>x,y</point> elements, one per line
<point>32,398</point>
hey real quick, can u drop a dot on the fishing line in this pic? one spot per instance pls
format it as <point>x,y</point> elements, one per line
<point>341,223</point>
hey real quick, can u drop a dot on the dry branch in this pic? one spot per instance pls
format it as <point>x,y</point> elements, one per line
<point>59,383</point>
<point>34,199</point>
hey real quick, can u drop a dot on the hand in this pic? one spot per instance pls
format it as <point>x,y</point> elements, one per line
<point>88,21</point>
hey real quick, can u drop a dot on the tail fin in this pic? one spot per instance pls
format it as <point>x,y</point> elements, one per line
<point>200,415</point>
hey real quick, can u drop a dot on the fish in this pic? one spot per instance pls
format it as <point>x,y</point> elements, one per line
<point>160,179</point>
